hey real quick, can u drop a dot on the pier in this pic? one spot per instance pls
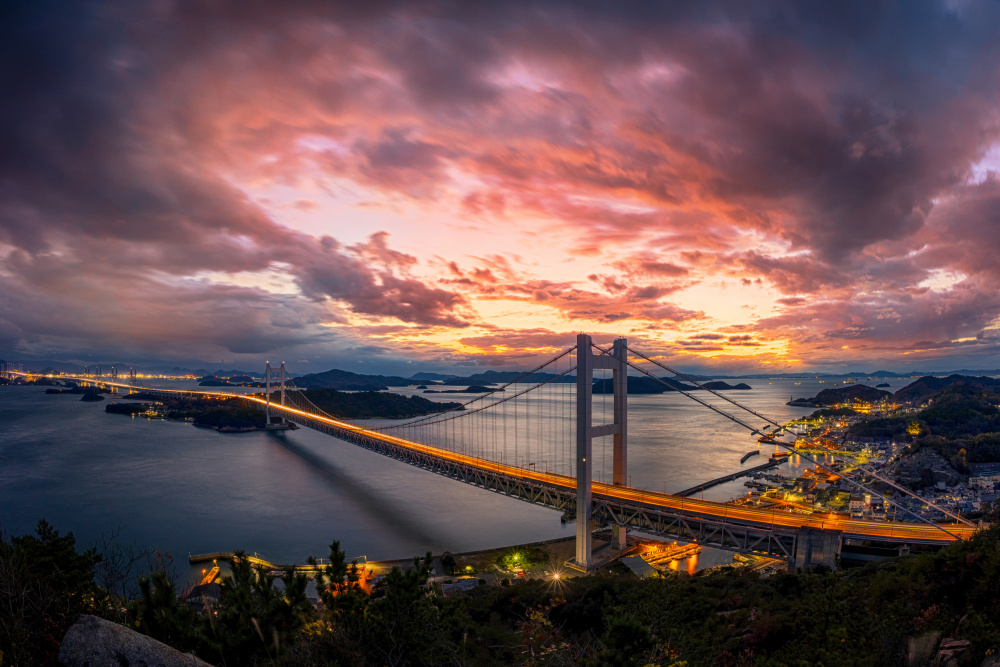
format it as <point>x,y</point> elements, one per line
<point>256,560</point>
<point>736,475</point>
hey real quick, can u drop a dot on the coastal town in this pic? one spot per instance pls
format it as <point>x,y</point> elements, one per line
<point>836,450</point>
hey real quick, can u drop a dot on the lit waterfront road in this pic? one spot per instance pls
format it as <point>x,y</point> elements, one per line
<point>761,518</point>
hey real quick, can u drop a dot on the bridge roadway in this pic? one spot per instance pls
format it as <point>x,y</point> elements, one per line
<point>744,529</point>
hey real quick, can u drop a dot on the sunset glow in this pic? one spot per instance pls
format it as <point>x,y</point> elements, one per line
<point>734,190</point>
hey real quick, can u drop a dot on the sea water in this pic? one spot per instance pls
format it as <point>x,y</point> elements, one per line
<point>182,490</point>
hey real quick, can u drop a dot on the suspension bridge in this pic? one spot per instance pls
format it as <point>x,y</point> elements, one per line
<point>541,438</point>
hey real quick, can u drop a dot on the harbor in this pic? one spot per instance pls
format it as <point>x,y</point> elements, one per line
<point>774,462</point>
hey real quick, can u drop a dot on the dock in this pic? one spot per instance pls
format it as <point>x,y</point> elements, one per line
<point>660,557</point>
<point>728,478</point>
<point>256,560</point>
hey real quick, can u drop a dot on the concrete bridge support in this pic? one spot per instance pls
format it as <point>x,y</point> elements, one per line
<point>619,469</point>
<point>817,547</point>
<point>269,373</point>
<point>586,363</point>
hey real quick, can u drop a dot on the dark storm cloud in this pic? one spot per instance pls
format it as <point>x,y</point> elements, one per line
<point>91,177</point>
<point>846,131</point>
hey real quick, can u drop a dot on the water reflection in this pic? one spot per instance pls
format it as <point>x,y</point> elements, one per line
<point>183,489</point>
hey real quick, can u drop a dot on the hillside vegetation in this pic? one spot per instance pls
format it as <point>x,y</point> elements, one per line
<point>894,612</point>
<point>348,381</point>
<point>927,387</point>
<point>374,404</point>
<point>960,421</point>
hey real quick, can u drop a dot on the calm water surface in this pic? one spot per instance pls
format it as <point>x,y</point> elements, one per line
<point>182,489</point>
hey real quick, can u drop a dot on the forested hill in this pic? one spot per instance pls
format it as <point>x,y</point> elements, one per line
<point>348,381</point>
<point>851,393</point>
<point>926,387</point>
<point>374,404</point>
<point>918,391</point>
<point>961,422</point>
<point>648,385</point>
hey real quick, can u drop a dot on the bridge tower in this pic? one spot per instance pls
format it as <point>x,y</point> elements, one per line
<point>586,363</point>
<point>270,373</point>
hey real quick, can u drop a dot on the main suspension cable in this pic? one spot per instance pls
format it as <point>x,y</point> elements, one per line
<point>666,384</point>
<point>791,448</point>
<point>701,386</point>
<point>466,413</point>
<point>462,406</point>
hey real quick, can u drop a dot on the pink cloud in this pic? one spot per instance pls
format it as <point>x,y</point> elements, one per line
<point>660,154</point>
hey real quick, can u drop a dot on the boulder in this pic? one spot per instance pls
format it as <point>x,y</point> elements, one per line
<point>949,652</point>
<point>95,642</point>
<point>920,649</point>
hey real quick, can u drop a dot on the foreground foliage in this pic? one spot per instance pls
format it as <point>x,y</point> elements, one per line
<point>45,584</point>
<point>866,616</point>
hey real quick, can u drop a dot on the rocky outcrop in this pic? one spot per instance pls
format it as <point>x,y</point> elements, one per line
<point>95,642</point>
<point>920,649</point>
<point>949,652</point>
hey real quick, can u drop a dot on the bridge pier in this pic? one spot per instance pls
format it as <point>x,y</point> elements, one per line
<point>814,547</point>
<point>584,450</point>
<point>586,362</point>
<point>268,374</point>
<point>619,533</point>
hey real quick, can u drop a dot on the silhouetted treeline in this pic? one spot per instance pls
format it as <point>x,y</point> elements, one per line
<point>874,615</point>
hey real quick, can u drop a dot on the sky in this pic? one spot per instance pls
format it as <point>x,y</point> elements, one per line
<point>379,186</point>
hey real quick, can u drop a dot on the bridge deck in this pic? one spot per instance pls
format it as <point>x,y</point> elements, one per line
<point>640,508</point>
<point>852,528</point>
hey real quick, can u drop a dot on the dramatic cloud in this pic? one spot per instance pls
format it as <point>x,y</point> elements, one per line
<point>730,184</point>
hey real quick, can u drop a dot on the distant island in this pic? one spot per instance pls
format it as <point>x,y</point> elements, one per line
<point>490,377</point>
<point>233,381</point>
<point>92,396</point>
<point>233,415</point>
<point>854,393</point>
<point>348,381</point>
<point>72,388</point>
<point>648,385</point>
<point>227,415</point>
<point>89,394</point>
<point>374,404</point>
<point>915,392</point>
<point>472,389</point>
